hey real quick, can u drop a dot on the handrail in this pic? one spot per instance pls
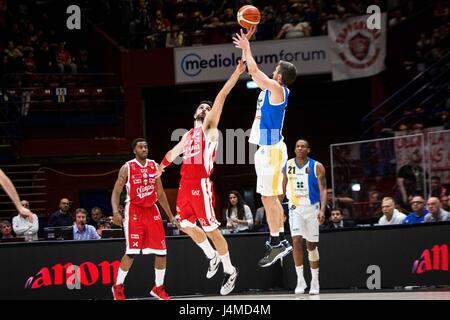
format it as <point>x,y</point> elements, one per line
<point>404,102</point>
<point>404,87</point>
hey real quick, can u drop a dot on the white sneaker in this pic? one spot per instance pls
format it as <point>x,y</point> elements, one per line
<point>229,282</point>
<point>213,266</point>
<point>301,286</point>
<point>315,288</point>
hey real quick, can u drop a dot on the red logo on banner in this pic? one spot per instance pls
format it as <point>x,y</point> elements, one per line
<point>435,259</point>
<point>89,274</point>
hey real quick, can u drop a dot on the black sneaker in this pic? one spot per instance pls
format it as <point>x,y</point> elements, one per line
<point>228,282</point>
<point>287,247</point>
<point>273,253</point>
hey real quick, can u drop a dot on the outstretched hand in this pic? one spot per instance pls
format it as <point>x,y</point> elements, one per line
<point>240,68</point>
<point>250,32</point>
<point>240,40</point>
<point>159,172</point>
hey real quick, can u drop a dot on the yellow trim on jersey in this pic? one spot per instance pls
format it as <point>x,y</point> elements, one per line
<point>276,157</point>
<point>294,199</point>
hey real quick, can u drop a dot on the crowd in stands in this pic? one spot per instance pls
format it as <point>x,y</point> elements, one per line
<point>33,42</point>
<point>158,24</point>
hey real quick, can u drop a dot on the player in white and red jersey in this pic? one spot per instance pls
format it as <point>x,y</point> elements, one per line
<point>195,200</point>
<point>143,228</point>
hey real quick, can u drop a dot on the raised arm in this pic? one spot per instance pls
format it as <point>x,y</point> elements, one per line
<point>115,196</point>
<point>262,80</point>
<point>171,155</point>
<point>323,190</point>
<point>11,191</point>
<point>213,117</point>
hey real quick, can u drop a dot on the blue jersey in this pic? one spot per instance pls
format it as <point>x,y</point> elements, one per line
<point>303,185</point>
<point>268,123</point>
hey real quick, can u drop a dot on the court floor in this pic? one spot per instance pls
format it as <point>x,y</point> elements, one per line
<point>349,295</point>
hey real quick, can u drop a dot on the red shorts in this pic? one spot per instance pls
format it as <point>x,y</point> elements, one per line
<point>195,201</point>
<point>144,230</point>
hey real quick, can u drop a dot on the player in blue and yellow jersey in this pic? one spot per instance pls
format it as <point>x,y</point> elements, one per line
<point>266,132</point>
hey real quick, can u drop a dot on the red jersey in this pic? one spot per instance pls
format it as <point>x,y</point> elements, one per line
<point>141,184</point>
<point>198,155</point>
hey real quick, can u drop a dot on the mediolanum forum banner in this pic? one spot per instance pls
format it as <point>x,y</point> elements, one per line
<point>356,50</point>
<point>216,63</point>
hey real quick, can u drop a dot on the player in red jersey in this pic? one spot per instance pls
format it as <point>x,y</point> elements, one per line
<point>144,231</point>
<point>196,194</point>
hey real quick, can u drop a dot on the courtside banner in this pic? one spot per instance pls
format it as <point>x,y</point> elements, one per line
<point>356,51</point>
<point>216,63</point>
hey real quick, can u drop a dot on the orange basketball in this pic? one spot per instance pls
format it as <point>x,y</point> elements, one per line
<point>248,16</point>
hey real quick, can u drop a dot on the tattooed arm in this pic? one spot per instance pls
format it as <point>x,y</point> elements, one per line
<point>115,197</point>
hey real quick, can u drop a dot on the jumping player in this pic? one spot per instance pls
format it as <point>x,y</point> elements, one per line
<point>305,185</point>
<point>271,156</point>
<point>196,194</point>
<point>144,231</point>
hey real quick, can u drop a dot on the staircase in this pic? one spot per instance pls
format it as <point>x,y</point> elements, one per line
<point>30,184</point>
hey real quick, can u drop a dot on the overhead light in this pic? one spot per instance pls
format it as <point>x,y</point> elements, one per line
<point>251,85</point>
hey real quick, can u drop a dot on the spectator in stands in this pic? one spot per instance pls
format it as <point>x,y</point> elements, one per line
<point>340,202</point>
<point>437,189</point>
<point>418,211</point>
<point>26,225</point>
<point>336,221</point>
<point>81,230</point>
<point>45,60</point>
<point>101,225</point>
<point>61,217</point>
<point>96,215</point>
<point>390,214</point>
<point>445,203</point>
<point>410,179</point>
<point>296,28</point>
<point>396,17</point>
<point>83,61</point>
<point>6,230</point>
<point>64,59</point>
<point>374,206</point>
<point>238,214</point>
<point>436,213</point>
<point>174,38</point>
<point>260,221</point>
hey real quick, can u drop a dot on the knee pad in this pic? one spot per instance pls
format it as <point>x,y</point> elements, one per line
<point>313,255</point>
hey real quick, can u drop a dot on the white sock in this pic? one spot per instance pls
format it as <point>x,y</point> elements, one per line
<point>121,276</point>
<point>315,274</point>
<point>226,262</point>
<point>159,276</point>
<point>281,229</point>
<point>275,234</point>
<point>299,270</point>
<point>207,249</point>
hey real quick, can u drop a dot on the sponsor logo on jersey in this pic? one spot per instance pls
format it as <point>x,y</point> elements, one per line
<point>195,192</point>
<point>134,236</point>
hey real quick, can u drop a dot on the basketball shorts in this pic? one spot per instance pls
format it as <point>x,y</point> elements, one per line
<point>269,163</point>
<point>195,201</point>
<point>144,231</point>
<point>303,221</point>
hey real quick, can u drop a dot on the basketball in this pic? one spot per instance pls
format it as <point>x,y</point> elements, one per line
<point>248,16</point>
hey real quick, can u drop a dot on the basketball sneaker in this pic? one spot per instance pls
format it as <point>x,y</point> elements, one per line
<point>228,282</point>
<point>273,253</point>
<point>213,266</point>
<point>118,292</point>
<point>160,293</point>
<point>287,247</point>
<point>301,286</point>
<point>315,288</point>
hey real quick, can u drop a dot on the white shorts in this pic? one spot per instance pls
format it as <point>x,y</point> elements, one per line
<point>269,164</point>
<point>303,221</point>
